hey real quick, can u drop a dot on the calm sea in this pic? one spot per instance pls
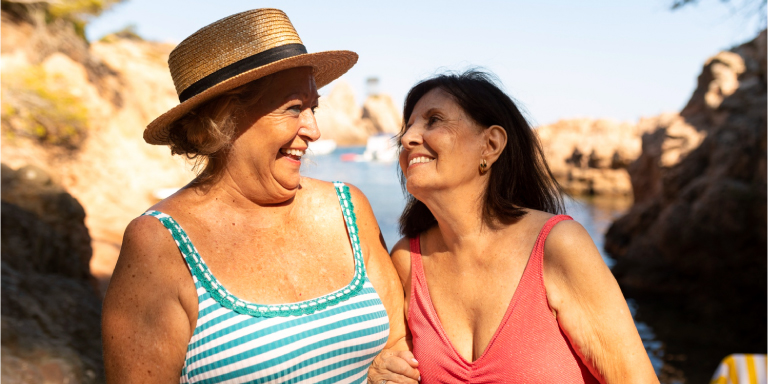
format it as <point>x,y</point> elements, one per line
<point>380,184</point>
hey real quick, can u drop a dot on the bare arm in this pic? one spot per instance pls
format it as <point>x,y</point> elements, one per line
<point>384,278</point>
<point>145,328</point>
<point>591,309</point>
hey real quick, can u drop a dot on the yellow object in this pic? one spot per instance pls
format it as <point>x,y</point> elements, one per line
<point>741,369</point>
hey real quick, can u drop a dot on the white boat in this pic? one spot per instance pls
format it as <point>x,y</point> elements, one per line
<point>322,147</point>
<point>381,148</point>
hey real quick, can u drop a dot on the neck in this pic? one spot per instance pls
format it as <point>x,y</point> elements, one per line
<point>459,215</point>
<point>246,195</point>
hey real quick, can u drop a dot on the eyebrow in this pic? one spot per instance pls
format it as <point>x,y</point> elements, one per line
<point>291,96</point>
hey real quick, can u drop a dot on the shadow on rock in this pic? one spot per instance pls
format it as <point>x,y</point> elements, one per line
<point>692,249</point>
<point>50,308</point>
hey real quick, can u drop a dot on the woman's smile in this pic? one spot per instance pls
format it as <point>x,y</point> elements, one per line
<point>418,160</point>
<point>292,154</point>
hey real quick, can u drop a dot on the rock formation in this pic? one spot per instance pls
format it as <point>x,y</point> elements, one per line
<point>97,99</point>
<point>339,116</point>
<point>693,245</point>
<point>51,311</point>
<point>382,113</point>
<point>589,157</point>
<point>341,119</point>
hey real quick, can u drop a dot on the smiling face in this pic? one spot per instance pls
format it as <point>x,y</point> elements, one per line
<point>442,146</point>
<point>272,136</point>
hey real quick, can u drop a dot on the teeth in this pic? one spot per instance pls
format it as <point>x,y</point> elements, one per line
<point>293,152</point>
<point>420,159</point>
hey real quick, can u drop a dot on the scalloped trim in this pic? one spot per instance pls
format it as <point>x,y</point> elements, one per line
<point>232,302</point>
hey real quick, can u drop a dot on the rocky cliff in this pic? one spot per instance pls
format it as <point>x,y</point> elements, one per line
<point>692,249</point>
<point>340,118</point>
<point>51,311</point>
<point>591,157</point>
<point>77,111</point>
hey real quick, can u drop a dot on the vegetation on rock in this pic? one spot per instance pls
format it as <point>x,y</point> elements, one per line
<point>75,12</point>
<point>39,105</point>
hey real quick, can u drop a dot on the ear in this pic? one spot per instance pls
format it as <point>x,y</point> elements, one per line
<point>495,142</point>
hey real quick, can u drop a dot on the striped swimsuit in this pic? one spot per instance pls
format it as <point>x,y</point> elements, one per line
<point>329,339</point>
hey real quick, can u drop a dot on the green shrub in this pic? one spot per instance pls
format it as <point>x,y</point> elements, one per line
<point>75,12</point>
<point>38,105</point>
<point>78,11</point>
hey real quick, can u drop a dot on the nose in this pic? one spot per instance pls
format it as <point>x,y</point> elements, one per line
<point>411,138</point>
<point>308,126</point>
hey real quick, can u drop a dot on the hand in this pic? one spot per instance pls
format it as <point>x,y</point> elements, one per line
<point>394,367</point>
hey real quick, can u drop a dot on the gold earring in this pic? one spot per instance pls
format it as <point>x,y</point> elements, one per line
<point>483,167</point>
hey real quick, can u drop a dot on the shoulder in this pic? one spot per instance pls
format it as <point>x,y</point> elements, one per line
<point>569,250</point>
<point>401,258</point>
<point>148,254</point>
<point>317,188</point>
<point>146,232</point>
<point>318,191</point>
<point>358,196</point>
<point>567,235</point>
<point>363,210</point>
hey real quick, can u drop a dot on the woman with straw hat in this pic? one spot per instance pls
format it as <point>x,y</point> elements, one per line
<point>251,273</point>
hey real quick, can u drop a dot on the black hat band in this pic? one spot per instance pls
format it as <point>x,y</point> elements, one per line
<point>241,66</point>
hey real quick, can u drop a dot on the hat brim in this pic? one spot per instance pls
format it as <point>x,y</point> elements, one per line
<point>327,65</point>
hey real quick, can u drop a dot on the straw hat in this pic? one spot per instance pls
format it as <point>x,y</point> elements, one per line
<point>234,51</point>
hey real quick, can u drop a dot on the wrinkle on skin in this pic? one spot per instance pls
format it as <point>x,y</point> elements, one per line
<point>283,118</point>
<point>440,127</point>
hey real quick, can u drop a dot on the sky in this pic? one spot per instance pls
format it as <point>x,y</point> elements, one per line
<point>559,59</point>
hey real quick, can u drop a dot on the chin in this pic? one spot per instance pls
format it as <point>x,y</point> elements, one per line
<point>291,183</point>
<point>417,187</point>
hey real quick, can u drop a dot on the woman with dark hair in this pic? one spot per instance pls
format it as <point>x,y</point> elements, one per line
<point>499,285</point>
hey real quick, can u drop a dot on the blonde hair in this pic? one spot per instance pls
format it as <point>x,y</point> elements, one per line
<point>205,134</point>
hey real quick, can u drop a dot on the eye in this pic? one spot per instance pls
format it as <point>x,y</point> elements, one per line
<point>295,108</point>
<point>433,119</point>
<point>314,109</point>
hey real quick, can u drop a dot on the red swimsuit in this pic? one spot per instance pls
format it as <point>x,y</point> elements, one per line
<point>528,346</point>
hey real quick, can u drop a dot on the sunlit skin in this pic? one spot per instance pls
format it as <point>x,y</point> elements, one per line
<point>472,269</point>
<point>266,233</point>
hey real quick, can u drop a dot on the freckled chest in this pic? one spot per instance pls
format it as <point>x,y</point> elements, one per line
<point>304,256</point>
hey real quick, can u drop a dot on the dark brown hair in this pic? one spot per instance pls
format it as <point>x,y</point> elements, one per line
<point>520,178</point>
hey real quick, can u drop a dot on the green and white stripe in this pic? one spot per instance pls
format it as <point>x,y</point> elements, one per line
<point>330,339</point>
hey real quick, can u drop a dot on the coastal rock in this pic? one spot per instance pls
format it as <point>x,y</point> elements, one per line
<point>342,120</point>
<point>695,239</point>
<point>119,86</point>
<point>384,117</point>
<point>339,117</point>
<point>667,140</point>
<point>51,311</point>
<point>590,157</point>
